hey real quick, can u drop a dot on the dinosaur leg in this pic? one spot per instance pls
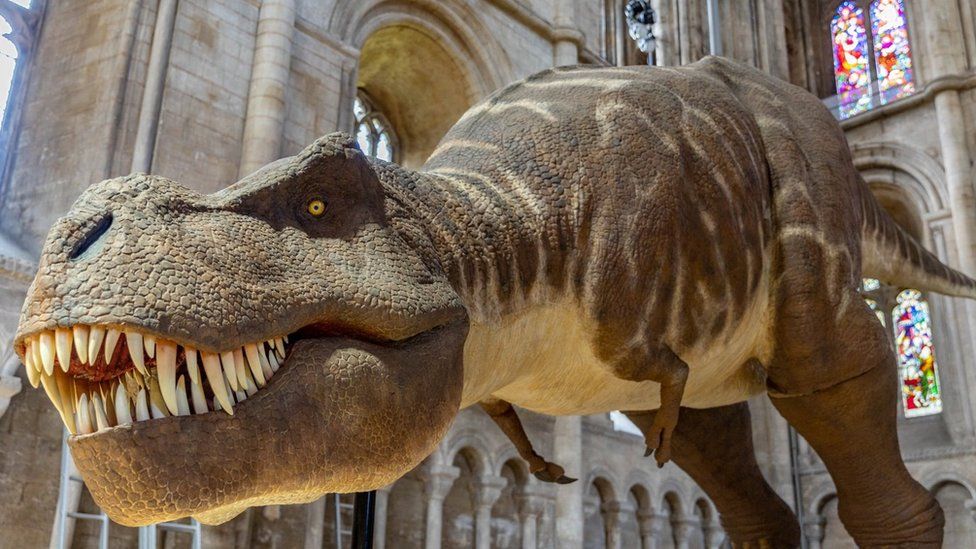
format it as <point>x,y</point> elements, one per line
<point>852,425</point>
<point>714,446</point>
<point>671,372</point>
<point>505,417</point>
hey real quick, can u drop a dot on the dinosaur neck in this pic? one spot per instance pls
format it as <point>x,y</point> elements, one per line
<point>492,237</point>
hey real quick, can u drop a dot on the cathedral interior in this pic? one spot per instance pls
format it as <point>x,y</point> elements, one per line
<point>206,91</point>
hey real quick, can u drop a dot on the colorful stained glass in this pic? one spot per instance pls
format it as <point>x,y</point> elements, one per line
<point>916,356</point>
<point>852,72</point>
<point>877,310</point>
<point>870,284</point>
<point>892,51</point>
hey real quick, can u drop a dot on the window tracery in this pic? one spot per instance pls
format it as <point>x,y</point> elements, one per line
<point>373,132</point>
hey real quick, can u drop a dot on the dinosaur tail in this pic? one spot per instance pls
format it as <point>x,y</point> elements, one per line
<point>893,256</point>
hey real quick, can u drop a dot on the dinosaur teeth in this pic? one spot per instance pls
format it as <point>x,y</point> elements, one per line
<point>67,362</point>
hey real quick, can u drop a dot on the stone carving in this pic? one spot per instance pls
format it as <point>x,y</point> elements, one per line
<point>589,239</point>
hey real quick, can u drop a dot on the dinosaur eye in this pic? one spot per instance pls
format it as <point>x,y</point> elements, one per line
<point>316,207</point>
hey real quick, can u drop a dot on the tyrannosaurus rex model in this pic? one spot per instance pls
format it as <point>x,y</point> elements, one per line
<point>586,240</point>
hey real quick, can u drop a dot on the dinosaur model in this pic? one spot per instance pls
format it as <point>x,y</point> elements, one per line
<point>589,239</point>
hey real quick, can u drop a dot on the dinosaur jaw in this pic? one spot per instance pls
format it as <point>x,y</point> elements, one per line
<point>337,414</point>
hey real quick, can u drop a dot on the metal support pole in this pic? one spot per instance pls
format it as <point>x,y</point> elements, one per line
<point>363,520</point>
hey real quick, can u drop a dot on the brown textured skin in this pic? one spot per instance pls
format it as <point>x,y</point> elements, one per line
<point>678,212</point>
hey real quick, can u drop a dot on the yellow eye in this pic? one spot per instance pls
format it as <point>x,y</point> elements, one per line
<point>316,207</point>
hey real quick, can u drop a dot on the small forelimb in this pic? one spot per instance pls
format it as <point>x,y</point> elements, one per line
<point>507,419</point>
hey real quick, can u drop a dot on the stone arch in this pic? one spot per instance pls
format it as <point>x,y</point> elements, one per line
<point>505,522</point>
<point>599,492</point>
<point>457,24</point>
<point>957,498</point>
<point>881,162</point>
<point>472,445</point>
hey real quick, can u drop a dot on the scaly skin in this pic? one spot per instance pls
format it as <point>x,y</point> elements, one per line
<point>583,241</point>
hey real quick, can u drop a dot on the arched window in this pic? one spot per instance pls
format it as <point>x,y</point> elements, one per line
<point>373,132</point>
<point>865,78</point>
<point>19,22</point>
<point>910,325</point>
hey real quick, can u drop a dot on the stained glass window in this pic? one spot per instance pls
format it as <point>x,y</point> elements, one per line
<point>852,70</point>
<point>373,133</point>
<point>892,52</point>
<point>8,62</point>
<point>921,391</point>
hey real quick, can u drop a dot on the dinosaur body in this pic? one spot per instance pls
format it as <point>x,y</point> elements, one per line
<point>583,241</point>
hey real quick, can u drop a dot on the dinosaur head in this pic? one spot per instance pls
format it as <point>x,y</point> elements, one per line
<point>288,336</point>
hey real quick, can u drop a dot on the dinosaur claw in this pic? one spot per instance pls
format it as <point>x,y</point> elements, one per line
<point>544,476</point>
<point>648,451</point>
<point>565,480</point>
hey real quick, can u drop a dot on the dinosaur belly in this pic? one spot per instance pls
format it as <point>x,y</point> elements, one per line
<point>541,360</point>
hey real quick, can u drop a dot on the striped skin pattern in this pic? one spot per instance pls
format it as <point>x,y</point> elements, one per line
<point>667,242</point>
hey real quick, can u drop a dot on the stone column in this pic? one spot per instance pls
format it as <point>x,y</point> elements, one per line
<point>487,490</point>
<point>264,124</point>
<point>813,530</point>
<point>379,524</point>
<point>567,451</point>
<point>531,504</point>
<point>315,523</point>
<point>152,95</point>
<point>714,535</point>
<point>683,528</point>
<point>651,525</point>
<point>438,482</point>
<point>614,513</point>
<point>566,38</point>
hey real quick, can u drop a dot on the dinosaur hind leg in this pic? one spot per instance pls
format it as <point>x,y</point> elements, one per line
<point>852,425</point>
<point>714,446</point>
<point>504,415</point>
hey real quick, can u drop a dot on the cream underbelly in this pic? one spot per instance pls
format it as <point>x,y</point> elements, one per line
<point>541,360</point>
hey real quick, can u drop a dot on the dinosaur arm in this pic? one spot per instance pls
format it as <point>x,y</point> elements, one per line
<point>504,415</point>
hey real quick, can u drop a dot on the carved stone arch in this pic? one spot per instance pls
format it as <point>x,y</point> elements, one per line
<point>709,512</point>
<point>926,176</point>
<point>641,484</point>
<point>820,501</point>
<point>471,443</point>
<point>603,479</point>
<point>671,495</point>
<point>456,24</point>
<point>938,479</point>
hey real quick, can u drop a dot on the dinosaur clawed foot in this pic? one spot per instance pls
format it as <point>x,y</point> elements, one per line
<point>658,437</point>
<point>550,472</point>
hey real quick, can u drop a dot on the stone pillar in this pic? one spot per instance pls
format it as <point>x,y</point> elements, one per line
<point>567,451</point>
<point>531,504</point>
<point>264,124</point>
<point>813,530</point>
<point>487,490</point>
<point>614,513</point>
<point>651,525</point>
<point>714,535</point>
<point>566,38</point>
<point>684,528</point>
<point>152,94</point>
<point>438,482</point>
<point>315,524</point>
<point>379,524</point>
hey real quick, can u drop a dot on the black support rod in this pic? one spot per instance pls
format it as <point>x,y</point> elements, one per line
<point>363,518</point>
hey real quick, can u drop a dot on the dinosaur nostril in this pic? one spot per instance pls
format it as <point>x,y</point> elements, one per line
<point>94,238</point>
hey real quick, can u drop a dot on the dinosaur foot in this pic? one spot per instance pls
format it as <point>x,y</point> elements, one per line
<point>550,472</point>
<point>658,437</point>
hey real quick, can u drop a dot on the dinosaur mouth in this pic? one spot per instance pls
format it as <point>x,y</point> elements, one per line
<point>101,377</point>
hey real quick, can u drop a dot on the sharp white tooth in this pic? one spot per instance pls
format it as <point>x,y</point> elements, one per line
<point>182,406</point>
<point>279,345</point>
<point>108,398</point>
<point>285,339</point>
<point>249,386</point>
<point>157,405</point>
<point>191,364</point>
<point>46,342</point>
<point>254,363</point>
<point>51,388</point>
<point>111,340</point>
<point>240,368</point>
<point>166,368</point>
<point>84,416</point>
<point>142,408</point>
<point>96,335</point>
<point>265,365</point>
<point>122,413</point>
<point>241,396</point>
<point>273,360</point>
<point>134,341</point>
<point>66,388</point>
<point>199,399</point>
<point>32,374</point>
<point>211,365</point>
<point>80,335</point>
<point>230,370</point>
<point>150,342</point>
<point>62,343</point>
<point>101,421</point>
